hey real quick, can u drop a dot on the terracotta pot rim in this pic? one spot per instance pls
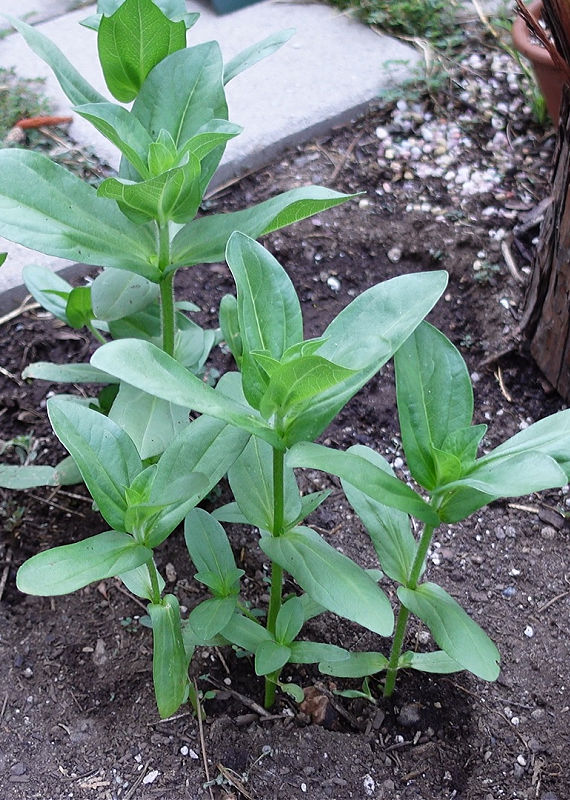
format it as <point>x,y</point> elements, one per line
<point>521,38</point>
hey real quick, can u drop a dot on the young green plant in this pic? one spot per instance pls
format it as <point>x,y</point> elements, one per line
<point>143,225</point>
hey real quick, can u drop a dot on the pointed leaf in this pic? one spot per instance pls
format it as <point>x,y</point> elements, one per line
<point>209,547</point>
<point>513,475</point>
<point>43,284</point>
<point>74,85</point>
<point>368,478</point>
<point>121,128</point>
<point>17,477</point>
<point>116,293</point>
<point>47,208</point>
<point>133,40</point>
<point>72,566</point>
<point>389,528</point>
<point>211,616</point>
<point>146,367</point>
<point>67,373</point>
<point>230,513</point>
<point>290,620</point>
<point>246,633</point>
<point>364,336</point>
<point>437,662</point>
<point>152,424</point>
<point>106,457</point>
<point>270,657</point>
<point>204,240</point>
<point>330,578</point>
<point>78,307</point>
<point>453,630</point>
<point>169,662</point>
<point>313,652</point>
<point>256,52</point>
<point>435,398</point>
<point>357,665</point>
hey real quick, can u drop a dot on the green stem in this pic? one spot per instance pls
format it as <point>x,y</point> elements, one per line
<point>167,313</point>
<point>97,334</point>
<point>276,570</point>
<point>167,310</point>
<point>403,613</point>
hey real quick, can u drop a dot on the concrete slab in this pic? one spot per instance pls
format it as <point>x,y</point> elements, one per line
<point>331,69</point>
<point>34,11</point>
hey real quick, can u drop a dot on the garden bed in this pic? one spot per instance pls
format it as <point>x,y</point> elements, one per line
<point>77,716</point>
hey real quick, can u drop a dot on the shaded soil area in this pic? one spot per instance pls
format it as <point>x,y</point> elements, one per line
<point>77,715</point>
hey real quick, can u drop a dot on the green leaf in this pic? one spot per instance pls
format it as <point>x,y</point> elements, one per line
<point>146,367</point>
<point>204,240</point>
<point>169,662</point>
<point>121,128</point>
<point>245,633</point>
<point>47,208</point>
<point>215,133</point>
<point>138,582</point>
<point>67,472</point>
<point>152,424</point>
<point>313,652</point>
<point>513,475</point>
<point>210,549</point>
<point>74,85</point>
<point>230,512</point>
<point>294,384</point>
<point>256,52</point>
<point>72,566</point>
<point>290,620</point>
<point>211,616</point>
<point>105,455</point>
<point>330,578</point>
<point>453,630</point>
<point>293,690</point>
<point>43,284</point>
<point>550,436</point>
<point>116,293</point>
<point>270,657</point>
<point>437,662</point>
<point>208,447</point>
<point>26,477</point>
<point>251,481</point>
<point>132,41</point>
<point>78,307</point>
<point>67,373</point>
<point>3,257</point>
<point>389,528</point>
<point>269,312</point>
<point>173,195</point>
<point>309,503</point>
<point>363,337</point>
<point>229,325</point>
<point>435,399</point>
<point>182,95</point>
<point>357,665</point>
<point>367,477</point>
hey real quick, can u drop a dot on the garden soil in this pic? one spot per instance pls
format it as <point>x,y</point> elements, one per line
<point>77,713</point>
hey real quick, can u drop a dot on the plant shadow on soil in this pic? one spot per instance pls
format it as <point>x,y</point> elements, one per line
<point>77,713</point>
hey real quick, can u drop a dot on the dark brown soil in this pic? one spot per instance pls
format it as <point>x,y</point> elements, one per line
<point>77,715</point>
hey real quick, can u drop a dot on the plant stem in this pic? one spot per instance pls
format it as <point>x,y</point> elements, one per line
<point>403,613</point>
<point>276,570</point>
<point>97,334</point>
<point>167,310</point>
<point>167,313</point>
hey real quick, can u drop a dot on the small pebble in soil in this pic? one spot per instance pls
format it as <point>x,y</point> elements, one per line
<point>529,631</point>
<point>509,591</point>
<point>184,750</point>
<point>538,714</point>
<point>394,254</point>
<point>18,769</point>
<point>369,785</point>
<point>28,673</point>
<point>333,284</point>
<point>151,776</point>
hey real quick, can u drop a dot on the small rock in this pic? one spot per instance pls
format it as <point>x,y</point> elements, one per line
<point>518,771</point>
<point>538,714</point>
<point>18,769</point>
<point>369,785</point>
<point>409,715</point>
<point>28,673</point>
<point>394,254</point>
<point>151,776</point>
<point>509,592</point>
<point>521,760</point>
<point>170,572</point>
<point>184,750</point>
<point>100,653</point>
<point>529,631</point>
<point>548,532</point>
<point>333,284</point>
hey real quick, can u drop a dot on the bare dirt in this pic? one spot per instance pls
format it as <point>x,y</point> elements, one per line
<point>77,715</point>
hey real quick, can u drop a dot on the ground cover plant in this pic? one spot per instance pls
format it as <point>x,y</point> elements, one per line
<point>362,750</point>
